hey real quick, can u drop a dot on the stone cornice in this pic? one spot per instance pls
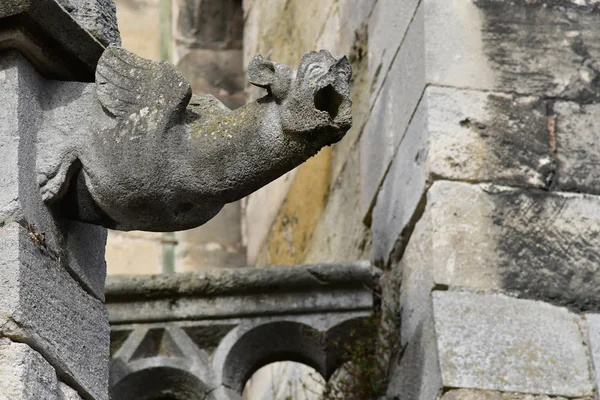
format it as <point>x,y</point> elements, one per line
<point>48,36</point>
<point>231,293</point>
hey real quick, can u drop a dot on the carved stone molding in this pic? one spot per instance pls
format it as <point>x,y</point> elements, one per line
<point>50,38</point>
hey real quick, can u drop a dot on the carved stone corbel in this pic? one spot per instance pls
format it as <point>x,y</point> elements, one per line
<point>138,151</point>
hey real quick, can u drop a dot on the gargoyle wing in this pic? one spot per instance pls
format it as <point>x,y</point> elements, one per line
<point>126,83</point>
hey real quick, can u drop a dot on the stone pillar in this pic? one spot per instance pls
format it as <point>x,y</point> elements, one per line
<point>53,325</point>
<point>479,178</point>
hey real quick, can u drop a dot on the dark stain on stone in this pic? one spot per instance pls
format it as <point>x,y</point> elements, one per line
<point>541,256</point>
<point>521,40</point>
<point>208,337</point>
<point>516,139</point>
<point>117,339</point>
<point>558,5</point>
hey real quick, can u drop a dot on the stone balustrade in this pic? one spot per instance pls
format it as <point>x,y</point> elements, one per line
<point>203,335</point>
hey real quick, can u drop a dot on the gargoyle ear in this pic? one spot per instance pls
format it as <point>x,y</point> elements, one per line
<point>343,66</point>
<point>261,72</point>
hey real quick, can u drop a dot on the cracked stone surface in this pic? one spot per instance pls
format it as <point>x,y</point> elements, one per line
<point>540,245</point>
<point>461,135</point>
<point>494,342</point>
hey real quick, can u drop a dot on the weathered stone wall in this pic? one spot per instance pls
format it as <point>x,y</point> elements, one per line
<point>479,208</point>
<point>469,176</point>
<point>312,212</point>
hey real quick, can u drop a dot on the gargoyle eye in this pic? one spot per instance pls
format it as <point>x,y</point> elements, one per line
<point>315,69</point>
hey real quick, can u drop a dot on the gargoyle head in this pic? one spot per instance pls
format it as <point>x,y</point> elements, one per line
<point>313,99</point>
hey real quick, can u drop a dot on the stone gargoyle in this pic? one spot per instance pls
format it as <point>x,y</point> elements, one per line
<point>137,151</point>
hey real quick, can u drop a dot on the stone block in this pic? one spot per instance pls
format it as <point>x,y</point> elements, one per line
<point>9,178</point>
<point>497,342</point>
<point>473,394</point>
<point>577,147</point>
<point>593,329</point>
<point>99,17</point>
<point>78,247</point>
<point>52,269</point>
<point>44,307</point>
<point>529,48</point>
<point>540,245</point>
<point>392,112</point>
<point>402,190</point>
<point>24,374</point>
<point>416,375</point>
<point>462,135</point>
<point>388,25</point>
<point>532,48</point>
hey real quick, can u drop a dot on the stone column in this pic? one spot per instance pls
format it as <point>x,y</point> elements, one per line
<point>54,333</point>
<point>479,159</point>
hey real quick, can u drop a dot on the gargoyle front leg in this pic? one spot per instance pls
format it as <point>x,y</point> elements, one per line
<point>63,133</point>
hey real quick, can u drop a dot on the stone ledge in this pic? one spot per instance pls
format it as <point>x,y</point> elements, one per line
<point>48,36</point>
<point>241,293</point>
<point>242,281</point>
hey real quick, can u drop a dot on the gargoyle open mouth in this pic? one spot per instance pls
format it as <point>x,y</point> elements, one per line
<point>329,100</point>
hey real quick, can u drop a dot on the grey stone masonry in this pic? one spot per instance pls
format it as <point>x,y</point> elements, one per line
<point>462,135</point>
<point>99,17</point>
<point>24,374</point>
<point>593,330</point>
<point>500,343</point>
<point>52,269</point>
<point>203,335</point>
<point>50,38</point>
<point>538,244</point>
<point>546,49</point>
<point>479,182</point>
<point>54,327</point>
